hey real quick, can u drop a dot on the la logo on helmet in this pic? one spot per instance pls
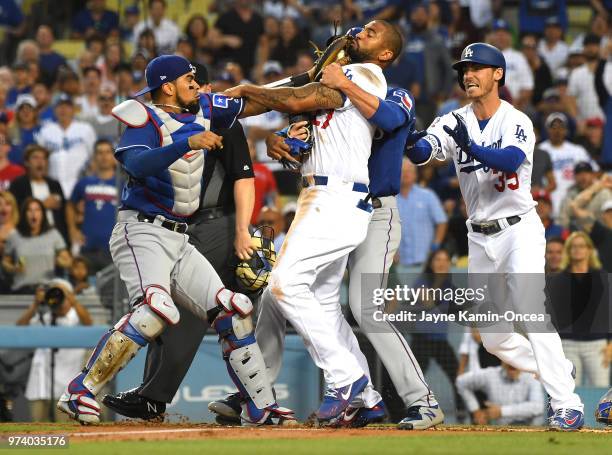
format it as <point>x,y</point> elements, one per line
<point>468,52</point>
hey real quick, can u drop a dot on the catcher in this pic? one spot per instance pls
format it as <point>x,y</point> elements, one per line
<point>226,204</point>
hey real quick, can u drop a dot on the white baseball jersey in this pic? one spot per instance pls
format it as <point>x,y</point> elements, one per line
<point>343,137</point>
<point>518,72</point>
<point>490,194</point>
<point>564,158</point>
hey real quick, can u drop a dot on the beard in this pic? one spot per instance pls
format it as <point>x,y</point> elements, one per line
<point>193,107</point>
<point>357,55</point>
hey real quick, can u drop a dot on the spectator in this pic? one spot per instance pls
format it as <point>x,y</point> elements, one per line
<point>240,32</point>
<point>28,52</point>
<point>270,40</point>
<point>601,234</point>
<point>534,14</point>
<point>564,155</point>
<point>184,48</point>
<point>462,29</point>
<point>599,26</point>
<point>23,83</point>
<point>270,216</point>
<point>556,99</point>
<point>131,17</point>
<point>424,222</point>
<point>579,297</point>
<point>291,42</point>
<point>79,277</point>
<point>70,142</point>
<point>585,199</point>
<point>513,397</point>
<point>37,184</point>
<point>166,31</point>
<point>582,83</point>
<point>542,173</point>
<point>456,240</point>
<point>552,47</point>
<point>424,67</point>
<point>519,77</point>
<point>541,71</point>
<point>8,170</point>
<point>24,128</point>
<point>544,209</point>
<point>68,83</point>
<point>49,309</point>
<point>9,216</point>
<point>430,339</point>
<point>265,185</point>
<point>197,32</point>
<point>280,9</point>
<point>49,60</point>
<point>554,254</point>
<point>34,250</point>
<point>87,103</point>
<point>104,124</point>
<point>95,18</point>
<point>364,11</point>
<point>124,81</point>
<point>592,137</point>
<point>147,46</point>
<point>603,84</point>
<point>474,357</point>
<point>97,195</point>
<point>113,56</point>
<point>42,96</point>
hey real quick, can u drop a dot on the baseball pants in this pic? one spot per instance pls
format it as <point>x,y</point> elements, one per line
<point>513,263</point>
<point>169,358</point>
<point>328,225</point>
<point>373,256</point>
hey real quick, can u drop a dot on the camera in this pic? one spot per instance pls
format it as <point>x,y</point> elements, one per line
<point>54,298</point>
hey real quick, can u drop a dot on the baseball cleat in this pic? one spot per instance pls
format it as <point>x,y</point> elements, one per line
<point>360,417</point>
<point>566,419</point>
<point>603,413</point>
<point>273,415</point>
<point>79,403</point>
<point>337,400</point>
<point>131,404</point>
<point>421,418</point>
<point>549,410</point>
<point>227,410</point>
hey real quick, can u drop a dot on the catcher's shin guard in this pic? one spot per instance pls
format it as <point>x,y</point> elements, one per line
<point>116,348</point>
<point>245,364</point>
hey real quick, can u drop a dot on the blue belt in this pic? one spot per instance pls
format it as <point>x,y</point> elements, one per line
<point>322,180</point>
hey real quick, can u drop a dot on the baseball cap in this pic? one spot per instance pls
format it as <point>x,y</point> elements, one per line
<point>595,122</point>
<point>541,195</point>
<point>25,98</point>
<point>591,38</point>
<point>132,9</point>
<point>162,69</point>
<point>606,206</point>
<point>272,67</point>
<point>583,166</point>
<point>560,116</point>
<point>552,21</point>
<point>64,98</point>
<point>501,24</point>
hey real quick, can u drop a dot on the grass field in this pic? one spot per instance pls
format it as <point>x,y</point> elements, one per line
<point>166,439</point>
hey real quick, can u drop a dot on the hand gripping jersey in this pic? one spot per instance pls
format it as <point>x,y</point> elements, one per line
<point>490,194</point>
<point>343,137</point>
<point>173,192</point>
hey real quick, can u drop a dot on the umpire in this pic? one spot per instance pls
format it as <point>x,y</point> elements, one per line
<point>219,230</point>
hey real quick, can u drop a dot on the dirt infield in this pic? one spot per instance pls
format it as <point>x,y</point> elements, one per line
<point>139,431</point>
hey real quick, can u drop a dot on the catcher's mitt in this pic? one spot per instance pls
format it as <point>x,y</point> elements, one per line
<point>336,51</point>
<point>253,274</point>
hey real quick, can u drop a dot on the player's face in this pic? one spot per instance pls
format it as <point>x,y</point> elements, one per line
<point>480,80</point>
<point>369,43</point>
<point>187,94</point>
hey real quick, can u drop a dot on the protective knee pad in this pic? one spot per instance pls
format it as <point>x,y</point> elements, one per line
<point>245,362</point>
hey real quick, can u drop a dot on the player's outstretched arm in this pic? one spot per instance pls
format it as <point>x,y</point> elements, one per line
<point>310,97</point>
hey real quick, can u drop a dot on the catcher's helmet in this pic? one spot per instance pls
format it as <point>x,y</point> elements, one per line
<point>253,274</point>
<point>482,53</point>
<point>603,413</point>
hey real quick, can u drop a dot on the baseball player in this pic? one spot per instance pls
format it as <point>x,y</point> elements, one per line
<point>332,216</point>
<point>395,117</point>
<point>492,146</point>
<point>162,151</point>
<point>218,230</point>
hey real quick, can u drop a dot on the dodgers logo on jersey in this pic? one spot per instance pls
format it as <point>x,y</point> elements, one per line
<point>464,158</point>
<point>220,101</point>
<point>520,134</point>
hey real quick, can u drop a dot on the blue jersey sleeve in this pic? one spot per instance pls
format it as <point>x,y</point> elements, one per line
<point>221,110</point>
<point>396,111</point>
<point>507,159</point>
<point>141,155</point>
<point>78,192</point>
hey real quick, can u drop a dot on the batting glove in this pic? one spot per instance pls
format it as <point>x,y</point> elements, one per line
<point>460,134</point>
<point>414,137</point>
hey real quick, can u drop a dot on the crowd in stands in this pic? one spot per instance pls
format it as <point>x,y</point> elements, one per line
<point>59,186</point>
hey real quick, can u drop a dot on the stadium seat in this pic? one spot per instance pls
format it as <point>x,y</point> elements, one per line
<point>69,48</point>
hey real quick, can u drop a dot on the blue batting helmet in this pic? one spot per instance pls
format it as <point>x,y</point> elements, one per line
<point>482,53</point>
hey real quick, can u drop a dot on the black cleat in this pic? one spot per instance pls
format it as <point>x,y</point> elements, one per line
<point>227,410</point>
<point>131,404</point>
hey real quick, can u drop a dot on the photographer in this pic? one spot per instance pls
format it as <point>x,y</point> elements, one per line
<point>54,304</point>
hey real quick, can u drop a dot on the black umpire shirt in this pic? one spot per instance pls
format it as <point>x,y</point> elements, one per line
<point>223,167</point>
